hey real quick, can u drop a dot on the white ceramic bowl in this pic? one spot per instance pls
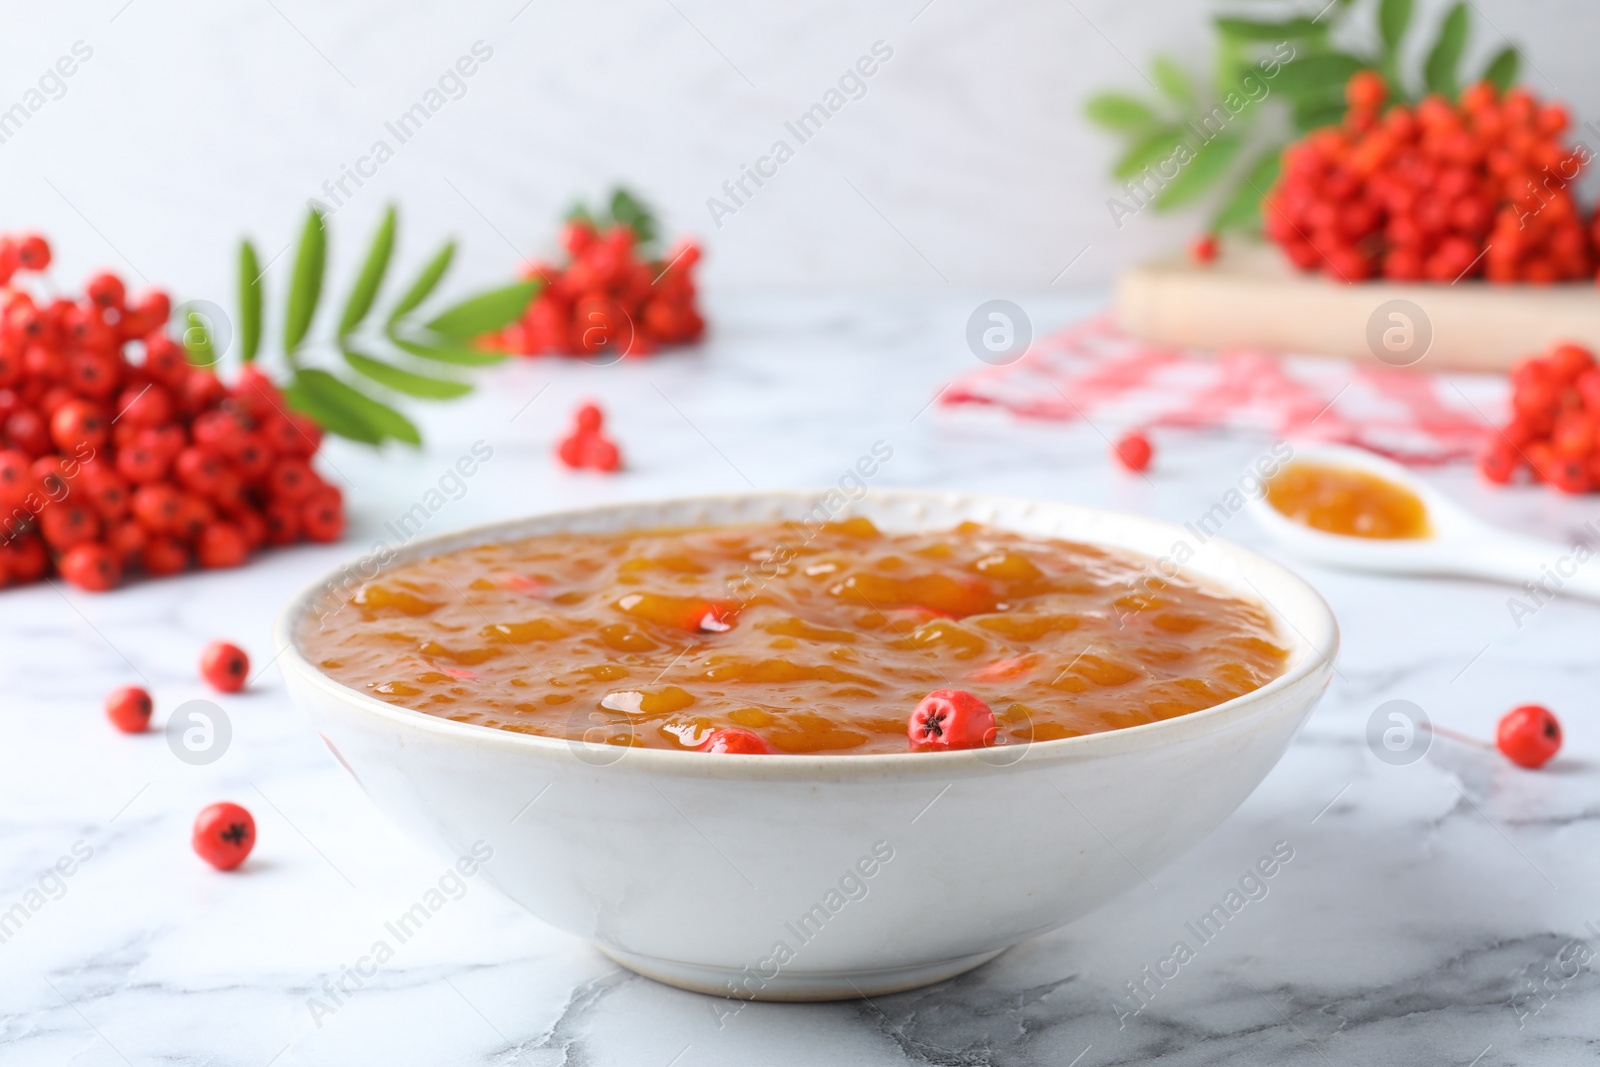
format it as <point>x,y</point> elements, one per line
<point>820,877</point>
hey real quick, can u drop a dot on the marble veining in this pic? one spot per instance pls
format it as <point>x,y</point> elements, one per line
<point>1444,912</point>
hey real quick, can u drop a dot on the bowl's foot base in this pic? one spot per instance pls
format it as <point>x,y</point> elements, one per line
<point>795,985</point>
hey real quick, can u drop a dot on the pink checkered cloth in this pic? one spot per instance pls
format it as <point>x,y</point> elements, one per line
<point>1094,372</point>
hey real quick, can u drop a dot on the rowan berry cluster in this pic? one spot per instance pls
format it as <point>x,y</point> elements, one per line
<point>1437,192</point>
<point>587,446</point>
<point>108,466</point>
<point>607,300</point>
<point>1554,431</point>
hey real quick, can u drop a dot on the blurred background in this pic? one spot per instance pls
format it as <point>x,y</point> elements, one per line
<point>965,161</point>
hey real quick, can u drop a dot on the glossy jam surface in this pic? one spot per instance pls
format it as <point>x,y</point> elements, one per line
<point>821,640</point>
<point>1342,500</point>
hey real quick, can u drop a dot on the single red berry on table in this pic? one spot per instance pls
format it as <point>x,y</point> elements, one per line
<point>1133,451</point>
<point>948,719</point>
<point>225,667</point>
<point>128,707</point>
<point>733,741</point>
<point>1528,735</point>
<point>1203,249</point>
<point>224,834</point>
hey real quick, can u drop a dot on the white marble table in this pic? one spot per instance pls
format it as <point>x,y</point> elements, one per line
<point>1443,912</point>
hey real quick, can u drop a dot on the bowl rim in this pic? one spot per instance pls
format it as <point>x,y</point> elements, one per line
<point>1317,638</point>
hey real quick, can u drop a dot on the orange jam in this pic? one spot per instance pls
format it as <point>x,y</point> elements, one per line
<point>820,639</point>
<point>1342,500</point>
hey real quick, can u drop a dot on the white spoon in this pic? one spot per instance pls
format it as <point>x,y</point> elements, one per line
<point>1456,544</point>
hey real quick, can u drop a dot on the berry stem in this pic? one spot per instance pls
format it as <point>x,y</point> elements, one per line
<point>1464,739</point>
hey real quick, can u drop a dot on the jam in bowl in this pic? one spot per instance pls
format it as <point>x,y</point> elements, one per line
<point>802,639</point>
<point>548,688</point>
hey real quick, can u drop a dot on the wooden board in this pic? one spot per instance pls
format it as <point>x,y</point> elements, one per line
<point>1251,297</point>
